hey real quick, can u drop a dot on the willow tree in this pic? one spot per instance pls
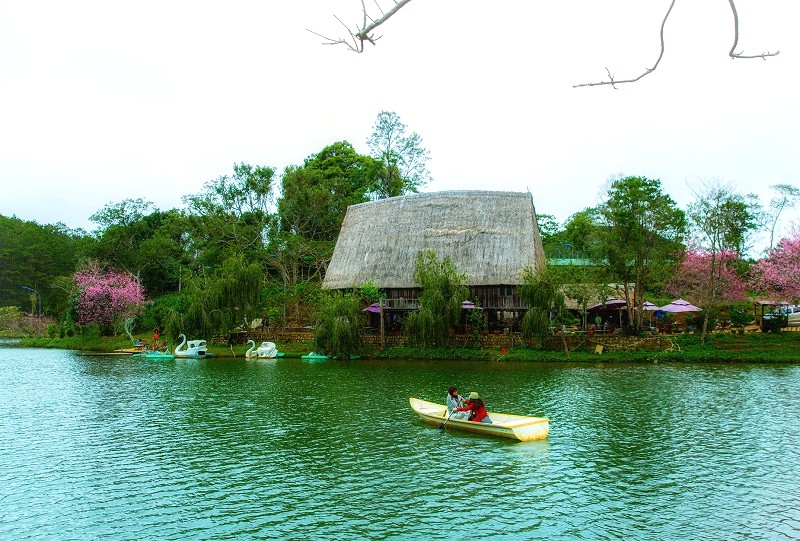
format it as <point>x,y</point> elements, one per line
<point>443,291</point>
<point>339,325</point>
<point>543,298</point>
<point>217,300</point>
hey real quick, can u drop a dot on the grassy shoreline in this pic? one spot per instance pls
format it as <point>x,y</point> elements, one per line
<point>720,347</point>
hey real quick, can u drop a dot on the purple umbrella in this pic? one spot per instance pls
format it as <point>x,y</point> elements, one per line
<point>610,302</point>
<point>374,308</point>
<point>469,305</point>
<point>680,305</point>
<point>650,306</point>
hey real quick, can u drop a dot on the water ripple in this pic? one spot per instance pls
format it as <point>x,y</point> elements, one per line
<point>115,448</point>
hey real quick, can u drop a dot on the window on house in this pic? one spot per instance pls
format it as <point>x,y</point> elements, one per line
<point>506,291</point>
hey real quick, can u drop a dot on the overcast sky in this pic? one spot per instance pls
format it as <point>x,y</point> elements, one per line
<point>104,101</point>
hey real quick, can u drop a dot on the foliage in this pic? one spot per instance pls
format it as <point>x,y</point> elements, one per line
<point>153,247</point>
<point>776,275</point>
<point>339,325</point>
<point>581,231</point>
<point>233,214</point>
<point>722,220</point>
<point>316,195</point>
<point>217,299</point>
<point>105,297</point>
<point>640,237</point>
<point>705,277</point>
<point>403,159</point>
<point>122,214</point>
<point>585,293</point>
<point>371,293</point>
<point>10,319</point>
<point>33,255</point>
<point>739,318</point>
<point>443,291</point>
<point>544,300</point>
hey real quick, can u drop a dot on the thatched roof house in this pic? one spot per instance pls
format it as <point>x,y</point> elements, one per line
<point>491,236</point>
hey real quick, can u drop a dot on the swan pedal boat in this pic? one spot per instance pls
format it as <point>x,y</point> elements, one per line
<point>267,350</point>
<point>194,349</point>
<point>504,425</point>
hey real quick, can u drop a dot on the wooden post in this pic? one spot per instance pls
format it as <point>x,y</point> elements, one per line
<point>383,332</point>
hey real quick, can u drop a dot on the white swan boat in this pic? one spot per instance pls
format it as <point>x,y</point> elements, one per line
<point>195,349</point>
<point>267,350</point>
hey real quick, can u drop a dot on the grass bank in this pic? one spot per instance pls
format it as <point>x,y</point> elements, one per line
<point>719,347</point>
<point>781,347</point>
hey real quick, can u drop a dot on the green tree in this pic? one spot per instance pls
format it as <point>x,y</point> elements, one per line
<point>315,196</point>
<point>153,247</point>
<point>401,155</point>
<point>233,214</point>
<point>581,232</point>
<point>640,236</point>
<point>313,202</point>
<point>443,291</point>
<point>122,214</point>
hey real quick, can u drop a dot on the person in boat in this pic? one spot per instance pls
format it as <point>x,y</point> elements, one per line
<point>453,401</point>
<point>476,407</point>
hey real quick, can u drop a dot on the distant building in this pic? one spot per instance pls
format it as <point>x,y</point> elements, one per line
<point>490,236</point>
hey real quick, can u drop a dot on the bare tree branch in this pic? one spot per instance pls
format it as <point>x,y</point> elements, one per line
<point>364,32</point>
<point>731,53</point>
<point>611,81</point>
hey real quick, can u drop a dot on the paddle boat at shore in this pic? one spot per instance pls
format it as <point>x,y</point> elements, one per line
<point>313,356</point>
<point>504,425</point>
<point>154,355</point>
<point>267,350</point>
<point>194,349</point>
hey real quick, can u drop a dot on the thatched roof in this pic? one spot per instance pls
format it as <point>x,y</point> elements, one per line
<point>492,236</point>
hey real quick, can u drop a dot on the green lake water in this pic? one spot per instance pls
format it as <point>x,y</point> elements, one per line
<point>119,448</point>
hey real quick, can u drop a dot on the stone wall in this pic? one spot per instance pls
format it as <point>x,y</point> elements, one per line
<point>556,342</point>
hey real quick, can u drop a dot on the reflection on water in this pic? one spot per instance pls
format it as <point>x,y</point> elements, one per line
<point>121,448</point>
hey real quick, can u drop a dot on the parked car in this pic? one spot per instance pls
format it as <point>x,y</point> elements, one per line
<point>785,316</point>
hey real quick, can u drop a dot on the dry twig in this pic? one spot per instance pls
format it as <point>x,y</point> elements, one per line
<point>613,82</point>
<point>364,32</point>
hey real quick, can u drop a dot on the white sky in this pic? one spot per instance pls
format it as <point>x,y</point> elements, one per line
<point>103,101</point>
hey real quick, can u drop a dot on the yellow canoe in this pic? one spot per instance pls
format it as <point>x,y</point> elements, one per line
<point>504,425</point>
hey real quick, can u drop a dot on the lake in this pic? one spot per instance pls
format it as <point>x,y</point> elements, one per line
<point>119,448</point>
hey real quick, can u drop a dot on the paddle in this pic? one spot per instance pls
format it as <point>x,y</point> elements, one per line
<point>446,418</point>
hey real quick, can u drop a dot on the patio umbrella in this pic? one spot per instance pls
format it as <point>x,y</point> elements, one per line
<point>650,306</point>
<point>611,302</point>
<point>680,305</point>
<point>469,305</point>
<point>374,308</point>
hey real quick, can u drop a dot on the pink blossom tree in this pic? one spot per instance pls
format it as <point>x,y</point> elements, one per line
<point>776,275</point>
<point>707,277</point>
<point>105,297</point>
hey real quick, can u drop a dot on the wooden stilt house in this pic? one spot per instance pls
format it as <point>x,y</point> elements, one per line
<point>491,236</point>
